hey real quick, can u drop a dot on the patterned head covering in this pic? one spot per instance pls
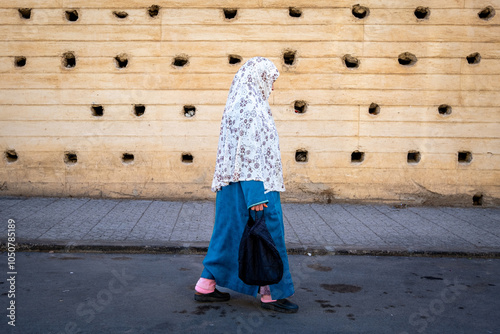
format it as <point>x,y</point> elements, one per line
<point>248,143</point>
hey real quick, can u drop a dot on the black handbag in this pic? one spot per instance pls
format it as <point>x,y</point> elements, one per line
<point>259,260</point>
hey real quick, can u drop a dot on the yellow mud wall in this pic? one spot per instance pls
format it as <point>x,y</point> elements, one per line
<point>73,123</point>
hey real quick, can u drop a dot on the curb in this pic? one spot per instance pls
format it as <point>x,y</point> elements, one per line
<point>193,248</point>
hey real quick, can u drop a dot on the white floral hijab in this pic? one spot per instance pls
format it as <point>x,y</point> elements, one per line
<point>248,143</point>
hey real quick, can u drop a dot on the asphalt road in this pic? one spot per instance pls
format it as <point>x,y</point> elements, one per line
<point>153,293</point>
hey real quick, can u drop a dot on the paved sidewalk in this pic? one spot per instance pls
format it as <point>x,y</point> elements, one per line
<point>82,224</point>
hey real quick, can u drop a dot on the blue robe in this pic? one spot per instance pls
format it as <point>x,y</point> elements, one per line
<point>231,215</point>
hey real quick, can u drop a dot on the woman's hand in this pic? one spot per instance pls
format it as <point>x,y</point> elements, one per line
<point>259,207</point>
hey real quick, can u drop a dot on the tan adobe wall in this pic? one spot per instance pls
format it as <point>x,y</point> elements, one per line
<point>379,125</point>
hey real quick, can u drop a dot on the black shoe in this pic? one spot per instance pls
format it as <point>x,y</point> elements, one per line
<point>281,305</point>
<point>215,296</point>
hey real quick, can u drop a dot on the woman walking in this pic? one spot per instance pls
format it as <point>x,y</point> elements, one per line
<point>248,175</point>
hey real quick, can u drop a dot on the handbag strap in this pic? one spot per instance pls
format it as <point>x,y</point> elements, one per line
<point>256,214</point>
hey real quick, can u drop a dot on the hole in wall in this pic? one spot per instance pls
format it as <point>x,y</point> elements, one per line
<point>294,12</point>
<point>11,156</point>
<point>187,158</point>
<point>70,158</point>
<point>422,13</point>
<point>407,59</point>
<point>360,12</point>
<point>189,110</point>
<point>474,58</point>
<point>289,57</point>
<point>477,199</point>
<point>139,109</point>
<point>71,15</point>
<point>301,156</point>
<point>127,158</point>
<point>444,109</point>
<point>486,13</point>
<point>234,59</point>
<point>374,109</point>
<point>121,60</point>
<point>97,110</point>
<point>300,107</point>
<point>180,61</point>
<point>464,157</point>
<point>154,10</point>
<point>350,61</point>
<point>413,157</point>
<point>25,13</point>
<point>69,60</point>
<point>20,61</point>
<point>230,13</point>
<point>357,157</point>
<point>120,14</point>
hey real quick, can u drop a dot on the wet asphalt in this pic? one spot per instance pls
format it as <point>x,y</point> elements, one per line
<point>153,293</point>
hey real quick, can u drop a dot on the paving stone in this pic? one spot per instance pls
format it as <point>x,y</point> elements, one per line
<point>82,220</point>
<point>331,226</point>
<point>119,221</point>
<point>157,222</point>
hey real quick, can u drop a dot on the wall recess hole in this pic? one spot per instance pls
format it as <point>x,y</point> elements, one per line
<point>360,12</point>
<point>11,156</point>
<point>350,61</point>
<point>407,59</point>
<point>294,12</point>
<point>444,110</point>
<point>413,157</point>
<point>180,61</point>
<point>121,60</point>
<point>120,14</point>
<point>97,110</point>
<point>230,13</point>
<point>289,57</point>
<point>139,109</point>
<point>189,110</point>
<point>301,156</point>
<point>187,158</point>
<point>69,60</point>
<point>70,158</point>
<point>300,107</point>
<point>474,58</point>
<point>127,158</point>
<point>154,10</point>
<point>477,199</point>
<point>486,13</point>
<point>374,109</point>
<point>422,13</point>
<point>25,13</point>
<point>357,157</point>
<point>20,61</point>
<point>234,59</point>
<point>464,157</point>
<point>71,15</point>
